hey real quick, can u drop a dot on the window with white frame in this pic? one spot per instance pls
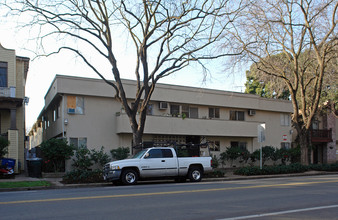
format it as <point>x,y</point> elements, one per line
<point>78,142</point>
<point>285,119</point>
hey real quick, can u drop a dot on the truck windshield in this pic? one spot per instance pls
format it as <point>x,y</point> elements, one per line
<point>139,154</point>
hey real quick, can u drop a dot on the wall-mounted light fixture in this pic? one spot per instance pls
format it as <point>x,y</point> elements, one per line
<point>66,121</point>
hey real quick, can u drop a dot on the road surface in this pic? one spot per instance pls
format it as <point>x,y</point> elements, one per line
<point>312,197</point>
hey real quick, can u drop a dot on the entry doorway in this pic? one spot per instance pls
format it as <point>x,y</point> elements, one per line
<point>318,154</point>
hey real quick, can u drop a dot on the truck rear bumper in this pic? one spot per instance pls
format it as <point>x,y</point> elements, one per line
<point>111,175</point>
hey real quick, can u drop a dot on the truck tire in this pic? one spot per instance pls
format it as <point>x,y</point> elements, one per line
<point>129,177</point>
<point>195,174</point>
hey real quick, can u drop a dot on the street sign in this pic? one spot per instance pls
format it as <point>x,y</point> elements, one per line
<point>261,133</point>
<point>285,137</point>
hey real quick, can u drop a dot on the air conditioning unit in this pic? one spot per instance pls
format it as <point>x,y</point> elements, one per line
<point>71,111</point>
<point>163,105</point>
<point>252,112</point>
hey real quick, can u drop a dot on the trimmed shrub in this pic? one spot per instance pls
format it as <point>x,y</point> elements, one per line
<point>324,167</point>
<point>120,153</point>
<point>268,170</point>
<point>82,160</point>
<point>99,157</point>
<point>83,176</point>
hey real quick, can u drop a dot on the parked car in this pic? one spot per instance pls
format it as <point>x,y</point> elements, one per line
<point>157,162</point>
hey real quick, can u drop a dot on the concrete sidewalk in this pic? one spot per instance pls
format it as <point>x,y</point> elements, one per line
<point>57,184</point>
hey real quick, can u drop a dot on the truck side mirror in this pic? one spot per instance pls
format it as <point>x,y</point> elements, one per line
<point>146,156</point>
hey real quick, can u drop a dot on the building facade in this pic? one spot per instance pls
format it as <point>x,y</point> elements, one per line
<point>83,111</point>
<point>13,74</point>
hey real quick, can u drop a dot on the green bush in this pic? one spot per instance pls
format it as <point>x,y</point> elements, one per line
<point>83,176</point>
<point>295,154</point>
<point>120,153</point>
<point>82,160</point>
<point>254,156</point>
<point>216,173</point>
<point>324,167</point>
<point>56,151</point>
<point>232,153</point>
<point>268,170</point>
<point>215,162</point>
<point>99,157</point>
<point>4,143</point>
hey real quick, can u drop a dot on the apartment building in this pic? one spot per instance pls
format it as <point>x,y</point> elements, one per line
<point>324,135</point>
<point>13,74</point>
<point>83,111</point>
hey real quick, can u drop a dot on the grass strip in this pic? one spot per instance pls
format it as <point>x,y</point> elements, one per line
<point>23,184</point>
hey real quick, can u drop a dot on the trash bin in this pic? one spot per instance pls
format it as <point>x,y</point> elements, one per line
<point>34,166</point>
<point>8,162</point>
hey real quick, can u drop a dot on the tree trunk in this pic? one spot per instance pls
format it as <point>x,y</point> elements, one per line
<point>305,143</point>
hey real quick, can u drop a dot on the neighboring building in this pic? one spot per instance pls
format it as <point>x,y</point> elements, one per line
<point>324,138</point>
<point>13,74</point>
<point>83,111</point>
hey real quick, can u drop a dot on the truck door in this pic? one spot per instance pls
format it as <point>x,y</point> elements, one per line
<point>153,164</point>
<point>170,162</point>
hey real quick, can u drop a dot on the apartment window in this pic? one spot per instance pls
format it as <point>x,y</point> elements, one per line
<point>78,142</point>
<point>214,146</point>
<point>285,145</point>
<point>285,119</point>
<point>56,113</point>
<point>190,112</point>
<point>150,108</point>
<point>237,115</point>
<point>75,105</point>
<point>174,110</point>
<point>213,112</point>
<point>185,110</point>
<point>315,125</point>
<point>241,145</point>
<point>3,74</point>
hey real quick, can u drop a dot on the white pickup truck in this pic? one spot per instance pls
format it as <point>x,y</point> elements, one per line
<point>156,162</point>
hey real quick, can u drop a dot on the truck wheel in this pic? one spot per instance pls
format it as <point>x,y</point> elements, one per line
<point>129,177</point>
<point>195,174</point>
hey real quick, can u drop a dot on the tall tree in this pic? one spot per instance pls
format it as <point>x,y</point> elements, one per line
<point>304,32</point>
<point>167,36</point>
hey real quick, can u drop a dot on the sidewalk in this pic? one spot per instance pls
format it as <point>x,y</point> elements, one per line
<point>56,182</point>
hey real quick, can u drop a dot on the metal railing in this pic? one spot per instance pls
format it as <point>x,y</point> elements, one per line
<point>321,135</point>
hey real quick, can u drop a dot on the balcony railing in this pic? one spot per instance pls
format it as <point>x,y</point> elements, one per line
<point>7,92</point>
<point>190,126</point>
<point>321,135</point>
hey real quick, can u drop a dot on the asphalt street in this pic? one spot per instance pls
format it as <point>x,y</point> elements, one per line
<point>312,197</point>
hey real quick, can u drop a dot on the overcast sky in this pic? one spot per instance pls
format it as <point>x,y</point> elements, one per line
<point>43,70</point>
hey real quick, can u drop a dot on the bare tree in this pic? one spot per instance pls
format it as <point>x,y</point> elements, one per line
<point>304,33</point>
<point>167,37</point>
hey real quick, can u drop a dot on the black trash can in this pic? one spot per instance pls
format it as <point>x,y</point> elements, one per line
<point>34,166</point>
